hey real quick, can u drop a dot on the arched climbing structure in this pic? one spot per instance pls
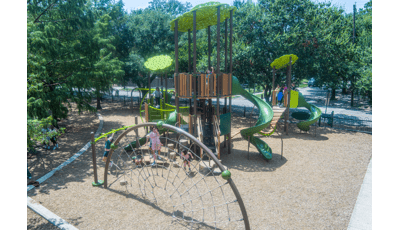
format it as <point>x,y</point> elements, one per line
<point>201,198</point>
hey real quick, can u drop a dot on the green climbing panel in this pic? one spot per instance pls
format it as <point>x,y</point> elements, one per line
<point>225,123</point>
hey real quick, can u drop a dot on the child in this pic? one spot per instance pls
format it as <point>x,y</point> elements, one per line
<point>29,173</point>
<point>53,139</point>
<point>138,158</point>
<point>155,143</point>
<point>108,148</point>
<point>185,156</point>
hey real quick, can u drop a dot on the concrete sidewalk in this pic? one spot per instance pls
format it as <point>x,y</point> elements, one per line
<point>361,219</point>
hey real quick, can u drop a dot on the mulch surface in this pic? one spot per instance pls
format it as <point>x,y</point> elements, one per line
<point>312,183</point>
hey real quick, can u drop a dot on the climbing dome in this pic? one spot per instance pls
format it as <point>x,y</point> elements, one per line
<point>167,195</point>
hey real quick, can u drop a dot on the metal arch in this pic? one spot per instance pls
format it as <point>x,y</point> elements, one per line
<point>192,138</point>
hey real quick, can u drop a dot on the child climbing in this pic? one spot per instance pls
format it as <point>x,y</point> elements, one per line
<point>138,158</point>
<point>155,145</point>
<point>186,160</point>
<point>108,148</point>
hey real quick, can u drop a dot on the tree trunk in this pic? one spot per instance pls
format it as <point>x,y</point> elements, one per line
<point>333,95</point>
<point>352,98</point>
<point>98,99</point>
<point>98,102</point>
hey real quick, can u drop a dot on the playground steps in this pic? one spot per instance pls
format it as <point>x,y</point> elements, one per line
<point>277,115</point>
<point>208,138</point>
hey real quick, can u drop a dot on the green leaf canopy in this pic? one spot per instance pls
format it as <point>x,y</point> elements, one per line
<point>283,61</point>
<point>206,15</point>
<point>158,63</point>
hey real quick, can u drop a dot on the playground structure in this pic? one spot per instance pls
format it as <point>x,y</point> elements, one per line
<point>291,98</point>
<point>165,183</point>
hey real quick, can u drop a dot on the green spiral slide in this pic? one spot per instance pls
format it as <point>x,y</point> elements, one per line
<point>264,119</point>
<point>315,114</point>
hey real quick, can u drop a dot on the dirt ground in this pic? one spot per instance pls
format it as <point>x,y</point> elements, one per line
<point>313,185</point>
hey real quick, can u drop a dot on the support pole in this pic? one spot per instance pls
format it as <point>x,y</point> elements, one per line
<point>209,47</point>
<point>273,78</point>
<point>176,67</point>
<point>194,70</point>
<point>218,56</point>
<point>230,75</point>
<point>226,46</point>
<point>288,80</point>
<point>189,51</point>
<point>96,181</point>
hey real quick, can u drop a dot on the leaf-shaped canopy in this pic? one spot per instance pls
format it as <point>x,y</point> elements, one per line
<point>283,61</point>
<point>206,15</point>
<point>158,63</point>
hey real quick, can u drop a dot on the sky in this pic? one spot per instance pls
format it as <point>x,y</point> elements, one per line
<point>347,4</point>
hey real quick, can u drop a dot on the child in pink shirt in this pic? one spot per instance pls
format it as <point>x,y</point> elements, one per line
<point>155,143</point>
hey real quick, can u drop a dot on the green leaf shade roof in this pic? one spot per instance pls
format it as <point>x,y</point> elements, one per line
<point>206,15</point>
<point>157,63</point>
<point>283,61</point>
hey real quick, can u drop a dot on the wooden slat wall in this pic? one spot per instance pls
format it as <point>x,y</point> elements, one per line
<point>207,86</point>
<point>191,85</point>
<point>211,79</point>
<point>215,85</point>
<point>188,86</point>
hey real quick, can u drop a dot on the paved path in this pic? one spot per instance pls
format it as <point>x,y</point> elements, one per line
<point>313,95</point>
<point>361,219</point>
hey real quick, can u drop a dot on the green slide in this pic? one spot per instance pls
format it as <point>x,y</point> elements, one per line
<point>315,114</point>
<point>265,117</point>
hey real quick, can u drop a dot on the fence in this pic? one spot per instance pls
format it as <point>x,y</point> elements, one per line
<point>338,121</point>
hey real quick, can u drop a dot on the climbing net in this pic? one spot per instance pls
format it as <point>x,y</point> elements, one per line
<point>195,197</point>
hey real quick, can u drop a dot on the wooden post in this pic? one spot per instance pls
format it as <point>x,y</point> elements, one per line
<point>226,46</point>
<point>219,145</point>
<point>176,67</point>
<point>209,47</point>
<point>136,122</point>
<point>273,82</point>
<point>194,68</point>
<point>218,57</point>
<point>189,51</point>
<point>230,79</point>
<point>289,78</point>
<point>94,158</point>
<point>190,124</point>
<point>96,182</point>
<point>218,38</point>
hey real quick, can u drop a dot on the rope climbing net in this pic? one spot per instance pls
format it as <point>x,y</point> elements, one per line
<point>173,194</point>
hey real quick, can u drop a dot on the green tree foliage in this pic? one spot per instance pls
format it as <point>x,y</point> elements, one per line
<point>70,49</point>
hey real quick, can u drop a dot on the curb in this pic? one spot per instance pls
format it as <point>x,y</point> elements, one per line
<point>42,211</point>
<point>49,216</point>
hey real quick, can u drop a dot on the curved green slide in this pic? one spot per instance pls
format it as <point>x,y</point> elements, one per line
<point>264,119</point>
<point>315,114</point>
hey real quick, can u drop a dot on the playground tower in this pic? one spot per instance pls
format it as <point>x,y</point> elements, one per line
<point>209,122</point>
